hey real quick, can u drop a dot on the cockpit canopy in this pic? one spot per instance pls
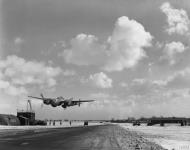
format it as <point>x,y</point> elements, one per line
<point>60,98</point>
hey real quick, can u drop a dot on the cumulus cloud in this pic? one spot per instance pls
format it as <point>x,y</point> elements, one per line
<point>11,89</point>
<point>18,41</point>
<point>178,107</point>
<point>171,51</point>
<point>123,49</point>
<point>180,79</point>
<point>141,86</point>
<point>100,95</point>
<point>85,50</point>
<point>69,72</point>
<point>141,105</point>
<point>123,84</point>
<point>160,82</point>
<point>16,73</point>
<point>104,99</point>
<point>100,80</point>
<point>177,19</point>
<point>139,81</point>
<point>144,96</point>
<point>126,44</point>
<point>152,96</point>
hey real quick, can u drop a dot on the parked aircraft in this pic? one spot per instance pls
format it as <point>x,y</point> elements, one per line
<point>60,101</point>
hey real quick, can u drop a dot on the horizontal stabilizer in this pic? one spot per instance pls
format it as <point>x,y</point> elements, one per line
<point>36,97</point>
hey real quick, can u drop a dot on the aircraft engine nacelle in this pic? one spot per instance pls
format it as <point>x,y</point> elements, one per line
<point>64,106</point>
<point>72,104</point>
<point>47,101</point>
<point>53,103</point>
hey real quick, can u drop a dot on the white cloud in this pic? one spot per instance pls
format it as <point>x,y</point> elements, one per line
<point>16,73</point>
<point>171,51</point>
<point>126,44</point>
<point>104,100</point>
<point>160,82</point>
<point>145,87</point>
<point>123,49</point>
<point>100,80</point>
<point>85,50</point>
<point>180,79</point>
<point>10,89</point>
<point>8,104</point>
<point>141,87</point>
<point>178,93</point>
<point>178,20</point>
<point>1,45</point>
<point>123,84</point>
<point>18,41</point>
<point>178,107</point>
<point>100,95</point>
<point>139,81</point>
<point>69,73</point>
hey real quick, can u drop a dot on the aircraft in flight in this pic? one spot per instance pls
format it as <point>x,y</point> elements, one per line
<point>60,101</point>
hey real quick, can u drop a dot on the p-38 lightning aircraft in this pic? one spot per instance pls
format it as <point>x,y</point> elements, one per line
<point>60,101</point>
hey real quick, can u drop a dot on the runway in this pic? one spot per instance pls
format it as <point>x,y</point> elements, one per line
<point>104,137</point>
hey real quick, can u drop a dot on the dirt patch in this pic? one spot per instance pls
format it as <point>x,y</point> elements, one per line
<point>114,137</point>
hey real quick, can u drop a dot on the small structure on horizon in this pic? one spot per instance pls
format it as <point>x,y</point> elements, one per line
<point>26,117</point>
<point>162,121</point>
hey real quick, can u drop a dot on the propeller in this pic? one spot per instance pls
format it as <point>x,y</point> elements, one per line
<point>42,105</point>
<point>79,102</point>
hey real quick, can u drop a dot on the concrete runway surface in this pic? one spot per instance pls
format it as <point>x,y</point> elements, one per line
<point>104,137</point>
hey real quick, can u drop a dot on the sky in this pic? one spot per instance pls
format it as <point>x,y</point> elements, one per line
<point>131,56</point>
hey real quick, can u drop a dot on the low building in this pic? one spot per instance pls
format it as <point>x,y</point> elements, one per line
<point>11,120</point>
<point>26,118</point>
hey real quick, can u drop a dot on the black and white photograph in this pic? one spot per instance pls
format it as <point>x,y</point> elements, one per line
<point>94,74</point>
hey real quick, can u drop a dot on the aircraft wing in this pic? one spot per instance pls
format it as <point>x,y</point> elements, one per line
<point>61,102</point>
<point>79,101</point>
<point>35,97</point>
